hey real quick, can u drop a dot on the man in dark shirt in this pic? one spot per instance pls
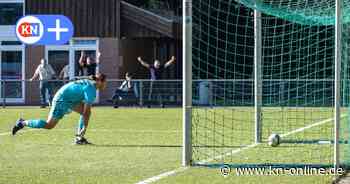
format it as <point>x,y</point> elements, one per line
<point>87,65</point>
<point>156,71</point>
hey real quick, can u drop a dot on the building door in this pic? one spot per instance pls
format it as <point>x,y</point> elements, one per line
<point>90,47</point>
<point>79,69</point>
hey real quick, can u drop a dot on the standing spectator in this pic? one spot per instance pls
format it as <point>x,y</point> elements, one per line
<point>156,71</point>
<point>87,65</point>
<point>45,73</point>
<point>82,71</point>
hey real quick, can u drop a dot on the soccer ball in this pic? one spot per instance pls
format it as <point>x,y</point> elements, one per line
<point>274,140</point>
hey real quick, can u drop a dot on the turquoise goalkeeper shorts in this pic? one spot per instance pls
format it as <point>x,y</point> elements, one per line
<point>59,109</point>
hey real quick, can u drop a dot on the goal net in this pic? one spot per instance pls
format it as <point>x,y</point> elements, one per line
<point>296,76</point>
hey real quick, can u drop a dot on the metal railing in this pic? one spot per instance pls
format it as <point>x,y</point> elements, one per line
<point>143,92</point>
<point>216,92</point>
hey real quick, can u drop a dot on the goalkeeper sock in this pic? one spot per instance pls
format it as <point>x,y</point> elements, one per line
<point>80,125</point>
<point>36,123</point>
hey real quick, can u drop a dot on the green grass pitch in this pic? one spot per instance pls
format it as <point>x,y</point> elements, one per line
<point>130,145</point>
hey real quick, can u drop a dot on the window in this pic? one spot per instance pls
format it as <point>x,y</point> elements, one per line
<point>11,68</point>
<point>11,65</point>
<point>10,13</point>
<point>58,59</point>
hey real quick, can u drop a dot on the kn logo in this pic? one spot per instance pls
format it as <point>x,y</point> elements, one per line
<point>44,29</point>
<point>29,29</point>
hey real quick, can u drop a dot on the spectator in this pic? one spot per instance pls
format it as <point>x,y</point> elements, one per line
<point>64,74</point>
<point>82,71</point>
<point>156,71</point>
<point>124,89</point>
<point>45,73</point>
<point>87,65</point>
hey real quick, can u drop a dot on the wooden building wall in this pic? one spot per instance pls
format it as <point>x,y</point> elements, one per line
<point>91,18</point>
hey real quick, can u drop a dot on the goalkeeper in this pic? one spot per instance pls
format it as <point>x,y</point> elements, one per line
<point>75,96</point>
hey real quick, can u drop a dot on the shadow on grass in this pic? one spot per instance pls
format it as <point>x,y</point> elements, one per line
<point>136,146</point>
<point>156,146</point>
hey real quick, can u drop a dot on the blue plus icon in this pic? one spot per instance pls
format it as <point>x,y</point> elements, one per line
<point>58,29</point>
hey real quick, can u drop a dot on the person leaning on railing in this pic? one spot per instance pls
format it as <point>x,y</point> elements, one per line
<point>156,70</point>
<point>124,90</point>
<point>45,73</point>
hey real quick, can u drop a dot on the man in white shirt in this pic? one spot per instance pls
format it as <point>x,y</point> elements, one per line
<point>45,73</point>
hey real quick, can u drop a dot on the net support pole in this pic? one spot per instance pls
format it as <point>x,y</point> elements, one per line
<point>187,84</point>
<point>257,75</point>
<point>337,72</point>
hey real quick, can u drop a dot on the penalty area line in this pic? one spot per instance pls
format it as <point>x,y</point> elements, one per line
<point>163,175</point>
<point>310,126</point>
<point>182,169</point>
<point>235,151</point>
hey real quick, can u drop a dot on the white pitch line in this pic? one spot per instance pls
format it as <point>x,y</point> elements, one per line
<point>182,169</point>
<point>163,175</point>
<point>235,151</point>
<point>310,126</point>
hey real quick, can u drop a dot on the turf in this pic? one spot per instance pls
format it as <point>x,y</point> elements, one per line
<point>223,129</point>
<point>130,145</point>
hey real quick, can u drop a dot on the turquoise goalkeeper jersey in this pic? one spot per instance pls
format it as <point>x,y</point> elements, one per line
<point>76,92</point>
<point>72,94</point>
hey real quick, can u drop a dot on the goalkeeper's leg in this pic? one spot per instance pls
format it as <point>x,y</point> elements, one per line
<point>80,139</point>
<point>34,123</point>
<point>55,115</point>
